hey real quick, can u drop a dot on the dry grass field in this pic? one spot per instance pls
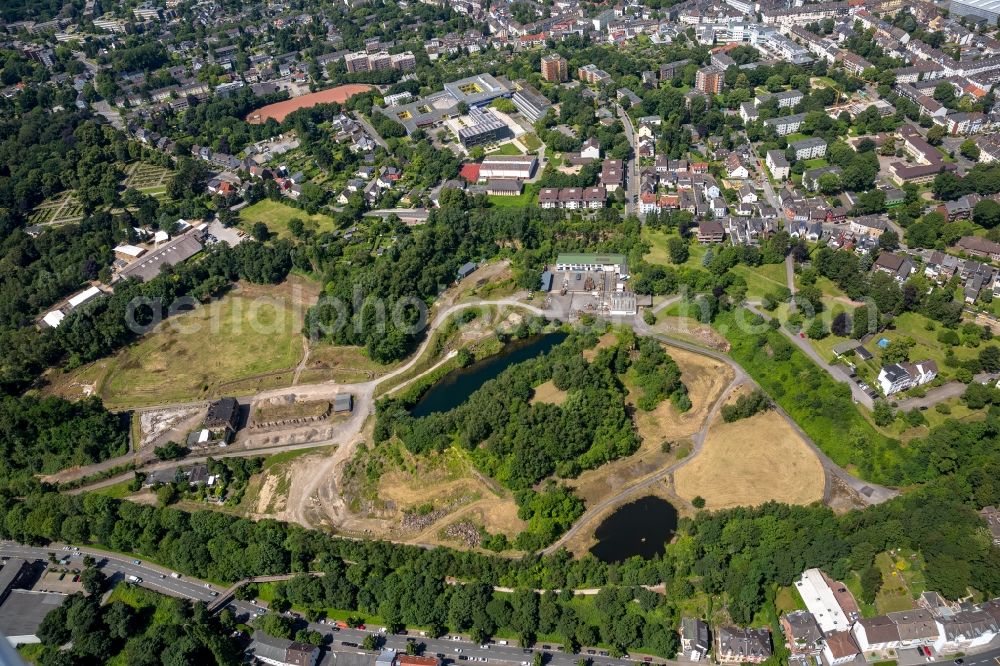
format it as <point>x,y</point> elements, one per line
<point>548,392</point>
<point>609,339</point>
<point>247,341</point>
<point>705,378</point>
<point>749,462</point>
<point>416,498</point>
<point>345,365</point>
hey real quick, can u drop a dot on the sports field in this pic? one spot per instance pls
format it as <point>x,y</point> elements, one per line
<point>280,110</point>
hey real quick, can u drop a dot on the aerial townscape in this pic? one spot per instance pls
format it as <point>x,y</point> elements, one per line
<point>529,332</point>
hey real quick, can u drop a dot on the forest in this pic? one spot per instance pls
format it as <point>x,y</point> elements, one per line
<point>138,627</point>
<point>422,263</point>
<point>44,435</point>
<point>738,554</point>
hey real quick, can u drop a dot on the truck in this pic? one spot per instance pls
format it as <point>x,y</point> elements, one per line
<point>134,579</point>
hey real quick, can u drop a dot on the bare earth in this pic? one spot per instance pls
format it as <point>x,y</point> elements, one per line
<point>279,110</point>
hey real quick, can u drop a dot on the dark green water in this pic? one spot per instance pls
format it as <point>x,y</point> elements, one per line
<point>643,527</point>
<point>456,387</point>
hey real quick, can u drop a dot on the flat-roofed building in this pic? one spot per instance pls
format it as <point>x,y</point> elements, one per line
<point>608,263</point>
<point>554,68</point>
<point>531,103</point>
<point>480,126</point>
<point>172,252</point>
<point>508,166</point>
<point>819,599</point>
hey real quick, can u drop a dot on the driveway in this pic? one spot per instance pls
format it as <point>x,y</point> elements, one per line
<point>837,372</point>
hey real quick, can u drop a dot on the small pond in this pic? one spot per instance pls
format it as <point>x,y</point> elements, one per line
<point>643,527</point>
<point>456,387</point>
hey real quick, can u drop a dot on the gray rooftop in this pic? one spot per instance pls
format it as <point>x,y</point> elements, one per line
<point>23,612</point>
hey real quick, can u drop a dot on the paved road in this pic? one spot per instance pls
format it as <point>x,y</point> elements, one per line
<point>631,165</point>
<point>837,372</point>
<point>117,567</point>
<point>372,132</point>
<point>943,392</point>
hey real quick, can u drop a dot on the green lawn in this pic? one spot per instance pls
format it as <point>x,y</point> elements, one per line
<point>815,163</point>
<point>116,491</point>
<point>761,280</point>
<point>797,136</point>
<point>902,581</point>
<point>914,325</point>
<point>531,141</point>
<point>509,148</point>
<point>525,198</point>
<point>658,249</point>
<point>276,216</point>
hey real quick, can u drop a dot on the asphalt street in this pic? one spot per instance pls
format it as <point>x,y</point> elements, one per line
<point>120,567</point>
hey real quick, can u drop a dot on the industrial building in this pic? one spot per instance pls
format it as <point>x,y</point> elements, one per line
<point>986,9</point>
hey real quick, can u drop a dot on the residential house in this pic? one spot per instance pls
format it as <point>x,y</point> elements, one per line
<point>978,246</point>
<point>613,174</point>
<point>964,631</point>
<point>747,195</point>
<point>808,149</point>
<point>778,165</point>
<point>869,225</point>
<point>281,651</point>
<point>735,167</point>
<point>894,265</point>
<point>737,645</point>
<point>710,231</point>
<point>591,149</point>
<point>876,634</point>
<point>897,377</point>
<point>785,125</point>
<point>802,634</point>
<point>916,627</point>
<point>840,648</point>
<point>940,266</point>
<point>695,641</point>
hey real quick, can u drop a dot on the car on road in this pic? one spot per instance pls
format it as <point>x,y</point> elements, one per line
<point>462,657</point>
<point>603,653</point>
<point>959,661</point>
<point>162,576</point>
<point>591,651</point>
<point>484,646</point>
<point>457,650</point>
<point>136,562</point>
